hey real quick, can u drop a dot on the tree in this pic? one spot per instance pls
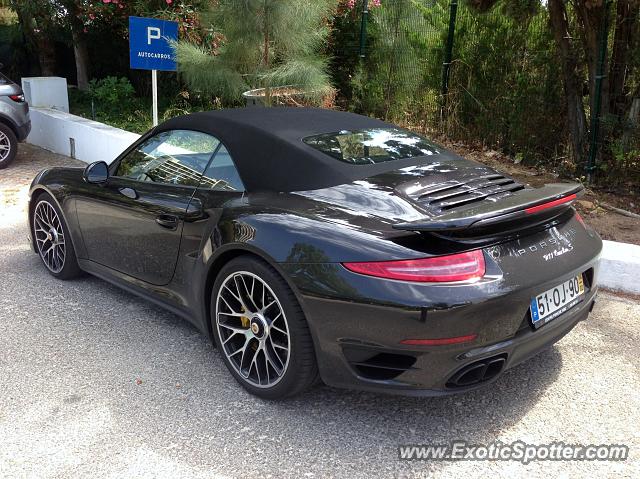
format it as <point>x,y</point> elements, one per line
<point>37,20</point>
<point>73,11</point>
<point>577,26</point>
<point>265,43</point>
<point>576,116</point>
<point>625,43</point>
<point>72,20</point>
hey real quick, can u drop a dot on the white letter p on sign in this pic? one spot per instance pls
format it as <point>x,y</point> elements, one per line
<point>153,33</point>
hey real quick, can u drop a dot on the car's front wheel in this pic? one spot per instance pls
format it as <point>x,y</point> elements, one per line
<point>261,330</point>
<point>52,239</point>
<point>8,145</point>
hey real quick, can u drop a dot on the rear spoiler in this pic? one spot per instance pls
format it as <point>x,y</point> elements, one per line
<point>534,203</point>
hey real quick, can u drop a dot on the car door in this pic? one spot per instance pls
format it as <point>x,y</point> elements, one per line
<point>220,188</point>
<point>134,222</point>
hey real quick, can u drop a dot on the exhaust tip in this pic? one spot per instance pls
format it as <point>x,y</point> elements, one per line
<point>478,372</point>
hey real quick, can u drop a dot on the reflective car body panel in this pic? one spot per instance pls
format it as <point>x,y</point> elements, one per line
<point>108,214</point>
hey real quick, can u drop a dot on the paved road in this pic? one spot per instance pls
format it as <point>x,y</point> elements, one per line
<point>95,382</point>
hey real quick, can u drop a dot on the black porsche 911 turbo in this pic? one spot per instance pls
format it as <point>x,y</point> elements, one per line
<point>313,245</point>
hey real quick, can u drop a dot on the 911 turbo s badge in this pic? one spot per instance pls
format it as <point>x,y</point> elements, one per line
<point>557,252</point>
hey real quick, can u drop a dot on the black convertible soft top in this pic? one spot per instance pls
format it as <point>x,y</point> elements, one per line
<point>266,145</point>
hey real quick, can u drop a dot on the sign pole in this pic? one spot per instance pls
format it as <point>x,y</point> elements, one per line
<point>154,93</point>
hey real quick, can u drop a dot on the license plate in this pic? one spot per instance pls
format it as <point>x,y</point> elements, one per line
<point>555,301</point>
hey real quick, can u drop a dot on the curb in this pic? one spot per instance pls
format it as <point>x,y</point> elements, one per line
<point>620,267</point>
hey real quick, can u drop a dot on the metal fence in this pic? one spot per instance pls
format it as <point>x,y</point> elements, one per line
<point>491,78</point>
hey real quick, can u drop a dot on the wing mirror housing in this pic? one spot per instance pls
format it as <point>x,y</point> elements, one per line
<point>96,173</point>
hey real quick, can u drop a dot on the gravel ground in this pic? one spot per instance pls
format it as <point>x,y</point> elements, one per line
<point>98,383</point>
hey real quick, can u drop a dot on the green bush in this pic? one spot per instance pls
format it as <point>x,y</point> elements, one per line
<point>112,93</point>
<point>111,103</point>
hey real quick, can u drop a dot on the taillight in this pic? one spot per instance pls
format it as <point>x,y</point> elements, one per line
<point>439,341</point>
<point>579,218</point>
<point>456,267</point>
<point>17,98</point>
<point>549,204</point>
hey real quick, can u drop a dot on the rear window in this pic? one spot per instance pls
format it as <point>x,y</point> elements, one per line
<point>370,146</point>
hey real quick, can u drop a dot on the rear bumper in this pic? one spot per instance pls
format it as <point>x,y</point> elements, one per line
<point>359,322</point>
<point>527,342</point>
<point>513,351</point>
<point>23,131</point>
<point>345,360</point>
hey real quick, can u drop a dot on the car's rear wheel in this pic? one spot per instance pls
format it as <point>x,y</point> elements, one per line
<point>8,145</point>
<point>261,330</point>
<point>52,240</point>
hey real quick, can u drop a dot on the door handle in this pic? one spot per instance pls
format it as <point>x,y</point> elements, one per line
<point>129,193</point>
<point>167,221</point>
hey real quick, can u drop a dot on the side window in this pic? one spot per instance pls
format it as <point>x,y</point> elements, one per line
<point>176,157</point>
<point>222,174</point>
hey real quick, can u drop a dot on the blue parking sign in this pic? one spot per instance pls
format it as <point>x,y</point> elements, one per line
<point>149,47</point>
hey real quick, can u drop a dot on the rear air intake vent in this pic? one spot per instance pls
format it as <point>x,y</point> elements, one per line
<point>478,372</point>
<point>384,366</point>
<point>378,366</point>
<point>452,194</point>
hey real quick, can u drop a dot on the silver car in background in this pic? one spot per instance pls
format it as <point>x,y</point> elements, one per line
<point>15,123</point>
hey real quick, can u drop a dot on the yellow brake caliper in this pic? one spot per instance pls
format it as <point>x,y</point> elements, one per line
<point>244,320</point>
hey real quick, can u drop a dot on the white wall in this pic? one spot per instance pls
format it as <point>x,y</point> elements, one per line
<point>54,130</point>
<point>620,267</point>
<point>46,92</point>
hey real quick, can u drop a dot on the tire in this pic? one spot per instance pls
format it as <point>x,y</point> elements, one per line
<point>8,146</point>
<point>52,239</point>
<point>252,338</point>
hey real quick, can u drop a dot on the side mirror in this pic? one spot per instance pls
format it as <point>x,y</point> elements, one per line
<point>96,173</point>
